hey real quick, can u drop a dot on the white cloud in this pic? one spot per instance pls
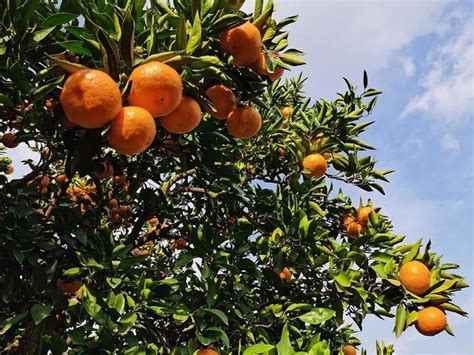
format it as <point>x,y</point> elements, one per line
<point>342,38</point>
<point>408,66</point>
<point>449,143</point>
<point>447,88</point>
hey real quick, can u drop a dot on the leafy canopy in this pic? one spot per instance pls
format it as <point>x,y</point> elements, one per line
<point>231,214</point>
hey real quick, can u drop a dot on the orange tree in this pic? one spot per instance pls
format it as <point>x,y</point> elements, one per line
<point>190,207</point>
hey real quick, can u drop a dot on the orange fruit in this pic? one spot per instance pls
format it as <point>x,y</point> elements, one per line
<point>9,140</point>
<point>69,287</point>
<point>44,181</point>
<point>243,42</point>
<point>415,277</point>
<point>113,203</point>
<point>363,215</point>
<point>184,118</point>
<point>115,218</point>
<point>132,131</point>
<point>260,67</point>
<point>153,221</point>
<point>285,275</point>
<point>348,219</point>
<point>43,191</point>
<point>120,180</point>
<point>91,98</point>
<point>431,321</point>
<point>207,352</point>
<point>287,111</point>
<point>349,350</point>
<point>316,164</point>
<point>60,179</point>
<point>223,99</point>
<point>179,244</point>
<point>244,122</point>
<point>354,230</point>
<point>49,104</point>
<point>156,87</point>
<point>9,170</point>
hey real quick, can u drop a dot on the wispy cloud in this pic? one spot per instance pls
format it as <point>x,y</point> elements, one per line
<point>450,144</point>
<point>447,93</point>
<point>408,66</point>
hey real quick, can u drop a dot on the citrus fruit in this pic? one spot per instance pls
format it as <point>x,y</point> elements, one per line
<point>9,140</point>
<point>156,87</point>
<point>260,67</point>
<point>243,43</point>
<point>316,164</point>
<point>287,111</point>
<point>415,277</point>
<point>285,275</point>
<point>132,131</point>
<point>244,122</point>
<point>349,350</point>
<point>431,321</point>
<point>363,215</point>
<point>223,99</point>
<point>91,98</point>
<point>184,118</point>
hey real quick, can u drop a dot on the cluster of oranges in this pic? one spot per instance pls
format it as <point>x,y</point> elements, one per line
<point>82,194</point>
<point>416,278</point>
<point>118,212</point>
<point>92,99</point>
<point>355,226</point>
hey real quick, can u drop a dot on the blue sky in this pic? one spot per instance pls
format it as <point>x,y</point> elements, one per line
<point>421,54</point>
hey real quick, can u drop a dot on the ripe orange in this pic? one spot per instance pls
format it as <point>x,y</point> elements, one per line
<point>184,118</point>
<point>243,42</point>
<point>10,169</point>
<point>9,140</point>
<point>90,98</point>
<point>156,87</point>
<point>285,275</point>
<point>49,104</point>
<point>415,277</point>
<point>363,215</point>
<point>153,221</point>
<point>223,99</point>
<point>113,203</point>
<point>349,350</point>
<point>316,164</point>
<point>347,219</point>
<point>260,67</point>
<point>244,122</point>
<point>60,179</point>
<point>44,181</point>
<point>69,287</point>
<point>431,321</point>
<point>179,244</point>
<point>207,352</point>
<point>354,230</point>
<point>43,191</point>
<point>287,111</point>
<point>132,131</point>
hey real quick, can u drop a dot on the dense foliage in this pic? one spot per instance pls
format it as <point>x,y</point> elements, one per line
<point>231,214</point>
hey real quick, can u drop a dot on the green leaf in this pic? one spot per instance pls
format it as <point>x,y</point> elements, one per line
<point>317,208</point>
<point>59,19</point>
<point>127,39</point>
<point>212,335</point>
<point>5,101</point>
<point>218,313</point>
<point>181,35</point>
<point>258,349</point>
<point>317,316</point>
<point>127,322</point>
<point>110,55</point>
<point>400,320</point>
<point>195,36</point>
<point>10,322</point>
<point>76,47</point>
<point>41,34</point>
<point>415,249</point>
<point>40,312</point>
<point>342,279</point>
<point>284,345</point>
<point>266,14</point>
